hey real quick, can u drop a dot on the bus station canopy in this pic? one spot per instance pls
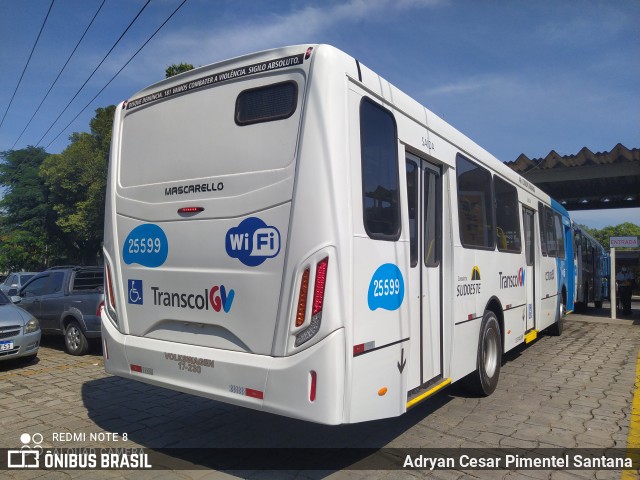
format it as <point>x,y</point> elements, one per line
<point>587,180</point>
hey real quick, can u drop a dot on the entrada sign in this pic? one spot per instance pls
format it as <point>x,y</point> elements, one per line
<point>619,242</point>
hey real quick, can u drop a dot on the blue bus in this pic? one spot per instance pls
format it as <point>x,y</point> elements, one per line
<point>591,267</point>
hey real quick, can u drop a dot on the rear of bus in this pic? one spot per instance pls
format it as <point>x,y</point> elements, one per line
<point>204,294</point>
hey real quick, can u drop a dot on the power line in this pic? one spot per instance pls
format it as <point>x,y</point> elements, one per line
<point>27,64</point>
<point>60,73</point>
<point>94,71</point>
<point>118,72</point>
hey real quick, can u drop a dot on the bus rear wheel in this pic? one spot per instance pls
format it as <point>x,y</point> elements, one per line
<point>557,328</point>
<point>484,380</point>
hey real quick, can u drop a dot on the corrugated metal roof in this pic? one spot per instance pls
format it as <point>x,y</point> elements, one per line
<point>586,180</point>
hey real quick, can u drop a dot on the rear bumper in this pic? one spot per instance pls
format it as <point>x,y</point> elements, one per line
<point>280,385</point>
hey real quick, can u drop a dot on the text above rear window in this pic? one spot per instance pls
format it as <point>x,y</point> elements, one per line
<point>266,104</point>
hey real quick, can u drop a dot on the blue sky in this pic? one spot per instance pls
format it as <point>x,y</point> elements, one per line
<point>515,76</point>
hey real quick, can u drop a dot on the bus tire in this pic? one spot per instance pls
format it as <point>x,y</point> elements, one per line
<point>557,328</point>
<point>484,380</point>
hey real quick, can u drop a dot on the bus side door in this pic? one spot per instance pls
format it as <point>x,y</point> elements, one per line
<point>424,201</point>
<point>528,217</point>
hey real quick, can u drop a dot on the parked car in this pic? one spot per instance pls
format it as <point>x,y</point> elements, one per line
<point>66,301</point>
<point>19,332</point>
<point>16,280</point>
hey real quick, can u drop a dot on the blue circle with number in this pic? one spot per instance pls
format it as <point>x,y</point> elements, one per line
<point>146,245</point>
<point>386,288</point>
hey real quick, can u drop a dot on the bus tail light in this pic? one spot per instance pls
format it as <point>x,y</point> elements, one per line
<point>302,299</point>
<point>318,302</point>
<point>321,280</point>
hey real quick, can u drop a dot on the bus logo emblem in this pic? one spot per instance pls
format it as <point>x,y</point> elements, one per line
<point>475,274</point>
<point>252,242</point>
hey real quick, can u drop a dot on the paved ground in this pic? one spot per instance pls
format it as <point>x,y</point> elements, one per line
<point>572,391</point>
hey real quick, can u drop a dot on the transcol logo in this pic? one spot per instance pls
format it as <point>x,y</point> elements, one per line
<point>252,242</point>
<point>510,281</point>
<point>216,298</point>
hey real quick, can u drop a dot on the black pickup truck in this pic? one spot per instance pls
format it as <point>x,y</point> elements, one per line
<point>66,300</point>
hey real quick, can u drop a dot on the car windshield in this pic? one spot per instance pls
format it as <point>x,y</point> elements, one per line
<point>3,298</point>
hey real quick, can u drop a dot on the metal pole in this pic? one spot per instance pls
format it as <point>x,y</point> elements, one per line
<point>612,283</point>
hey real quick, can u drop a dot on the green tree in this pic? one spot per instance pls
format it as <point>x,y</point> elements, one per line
<point>177,68</point>
<point>28,231</point>
<point>101,126</point>
<point>76,181</point>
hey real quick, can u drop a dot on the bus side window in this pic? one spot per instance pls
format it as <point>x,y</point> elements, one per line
<point>412,204</point>
<point>475,212</point>
<point>559,234</point>
<point>432,221</point>
<point>380,191</point>
<point>550,230</point>
<point>543,229</point>
<point>507,217</point>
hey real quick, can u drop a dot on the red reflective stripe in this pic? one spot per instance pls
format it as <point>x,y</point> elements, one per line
<point>110,291</point>
<point>312,391</point>
<point>358,348</point>
<point>136,368</point>
<point>254,393</point>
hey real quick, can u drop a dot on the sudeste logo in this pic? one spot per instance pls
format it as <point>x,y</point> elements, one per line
<point>252,242</point>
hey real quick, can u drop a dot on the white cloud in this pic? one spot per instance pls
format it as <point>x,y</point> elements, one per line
<point>473,84</point>
<point>304,25</point>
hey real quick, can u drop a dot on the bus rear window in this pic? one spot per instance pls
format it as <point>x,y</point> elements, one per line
<point>196,135</point>
<point>265,104</point>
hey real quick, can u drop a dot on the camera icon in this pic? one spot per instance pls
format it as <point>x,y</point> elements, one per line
<point>28,456</point>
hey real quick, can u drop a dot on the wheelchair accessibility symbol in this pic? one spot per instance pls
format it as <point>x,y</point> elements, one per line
<point>135,292</point>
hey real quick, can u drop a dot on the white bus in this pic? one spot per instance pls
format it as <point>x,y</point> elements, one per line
<point>289,232</point>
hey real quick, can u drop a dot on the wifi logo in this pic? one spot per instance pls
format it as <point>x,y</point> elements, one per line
<point>252,242</point>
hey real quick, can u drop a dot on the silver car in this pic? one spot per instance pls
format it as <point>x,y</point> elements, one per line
<point>19,332</point>
<point>15,281</point>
